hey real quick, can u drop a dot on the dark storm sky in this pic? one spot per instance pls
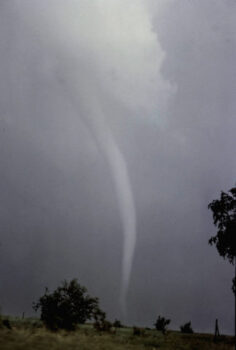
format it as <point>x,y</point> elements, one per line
<point>164,74</point>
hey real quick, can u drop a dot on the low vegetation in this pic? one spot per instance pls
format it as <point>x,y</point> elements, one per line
<point>186,328</point>
<point>161,324</point>
<point>27,334</point>
<point>62,327</point>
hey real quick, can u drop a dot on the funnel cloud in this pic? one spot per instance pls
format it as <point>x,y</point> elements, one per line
<point>106,43</point>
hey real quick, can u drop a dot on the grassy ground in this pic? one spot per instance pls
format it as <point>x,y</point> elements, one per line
<point>29,334</point>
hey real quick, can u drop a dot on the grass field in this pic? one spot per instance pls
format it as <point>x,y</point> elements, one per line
<point>29,334</point>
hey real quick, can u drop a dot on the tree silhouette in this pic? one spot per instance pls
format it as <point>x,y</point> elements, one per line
<point>161,324</point>
<point>186,328</point>
<point>224,216</point>
<point>67,306</point>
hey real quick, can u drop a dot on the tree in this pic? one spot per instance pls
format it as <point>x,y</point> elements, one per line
<point>186,328</point>
<point>224,216</point>
<point>161,324</point>
<point>67,306</point>
<point>101,324</point>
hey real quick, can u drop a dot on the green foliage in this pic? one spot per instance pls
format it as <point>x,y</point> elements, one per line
<point>23,337</point>
<point>138,331</point>
<point>186,328</point>
<point>234,286</point>
<point>117,324</point>
<point>67,306</point>
<point>6,323</point>
<point>101,324</point>
<point>224,216</point>
<point>161,324</point>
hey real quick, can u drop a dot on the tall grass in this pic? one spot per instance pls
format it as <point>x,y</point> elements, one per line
<point>29,334</point>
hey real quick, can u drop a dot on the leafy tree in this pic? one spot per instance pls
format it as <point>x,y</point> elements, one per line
<point>186,328</point>
<point>224,216</point>
<point>161,324</point>
<point>67,306</point>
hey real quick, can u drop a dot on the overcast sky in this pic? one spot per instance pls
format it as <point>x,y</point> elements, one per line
<point>159,77</point>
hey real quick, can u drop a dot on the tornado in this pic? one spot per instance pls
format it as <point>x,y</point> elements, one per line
<point>98,49</point>
<point>95,120</point>
<point>119,171</point>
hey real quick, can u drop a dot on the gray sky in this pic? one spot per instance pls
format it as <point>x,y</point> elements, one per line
<point>162,73</point>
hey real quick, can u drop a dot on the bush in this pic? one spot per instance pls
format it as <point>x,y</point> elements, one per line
<point>6,323</point>
<point>186,328</point>
<point>67,306</point>
<point>161,324</point>
<point>137,331</point>
<point>101,324</point>
<point>117,324</point>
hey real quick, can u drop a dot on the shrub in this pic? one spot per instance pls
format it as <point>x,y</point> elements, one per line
<point>67,306</point>
<point>136,331</point>
<point>101,324</point>
<point>186,328</point>
<point>6,323</point>
<point>117,324</point>
<point>161,324</point>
